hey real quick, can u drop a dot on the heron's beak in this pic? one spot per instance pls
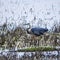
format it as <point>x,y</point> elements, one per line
<point>26,24</point>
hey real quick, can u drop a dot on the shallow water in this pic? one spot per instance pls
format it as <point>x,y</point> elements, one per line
<point>29,55</point>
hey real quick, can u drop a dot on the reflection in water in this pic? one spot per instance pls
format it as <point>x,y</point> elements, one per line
<point>28,56</point>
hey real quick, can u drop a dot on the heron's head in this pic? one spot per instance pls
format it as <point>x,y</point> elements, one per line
<point>27,26</point>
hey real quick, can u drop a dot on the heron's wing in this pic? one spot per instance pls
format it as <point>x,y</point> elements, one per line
<point>36,32</point>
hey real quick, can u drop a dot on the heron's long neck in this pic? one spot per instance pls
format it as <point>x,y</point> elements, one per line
<point>29,31</point>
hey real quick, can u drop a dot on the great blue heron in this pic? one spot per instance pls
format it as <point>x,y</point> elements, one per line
<point>36,31</point>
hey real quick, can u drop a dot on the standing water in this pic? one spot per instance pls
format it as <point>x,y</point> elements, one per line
<point>49,55</point>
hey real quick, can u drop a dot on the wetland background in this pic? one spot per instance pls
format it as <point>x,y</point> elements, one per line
<point>13,36</point>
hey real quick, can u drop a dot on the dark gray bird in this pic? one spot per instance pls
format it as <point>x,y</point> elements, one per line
<point>36,31</point>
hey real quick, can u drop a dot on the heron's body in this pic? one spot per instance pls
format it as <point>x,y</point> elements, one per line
<point>36,31</point>
<point>39,31</point>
